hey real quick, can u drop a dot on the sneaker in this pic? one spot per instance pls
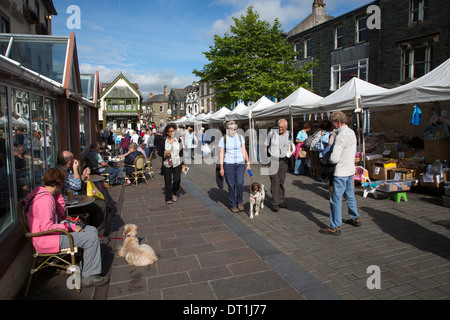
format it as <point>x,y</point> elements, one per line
<point>355,223</point>
<point>234,210</point>
<point>169,201</point>
<point>283,205</point>
<point>240,207</point>
<point>94,281</point>
<point>329,231</point>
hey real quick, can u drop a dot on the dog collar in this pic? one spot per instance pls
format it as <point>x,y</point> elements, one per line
<point>131,236</point>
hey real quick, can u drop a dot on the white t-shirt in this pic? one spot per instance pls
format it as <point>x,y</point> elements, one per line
<point>233,150</point>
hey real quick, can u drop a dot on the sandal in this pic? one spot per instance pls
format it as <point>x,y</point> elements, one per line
<point>174,198</point>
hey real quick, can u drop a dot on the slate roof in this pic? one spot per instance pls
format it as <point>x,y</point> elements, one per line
<point>121,92</point>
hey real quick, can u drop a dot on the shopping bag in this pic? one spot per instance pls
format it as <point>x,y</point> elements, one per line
<point>92,191</point>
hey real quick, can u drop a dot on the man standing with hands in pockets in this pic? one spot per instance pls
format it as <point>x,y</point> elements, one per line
<point>277,143</point>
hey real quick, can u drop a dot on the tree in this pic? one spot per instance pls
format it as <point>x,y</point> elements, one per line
<point>253,61</point>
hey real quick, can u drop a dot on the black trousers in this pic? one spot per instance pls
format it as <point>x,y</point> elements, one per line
<point>172,181</point>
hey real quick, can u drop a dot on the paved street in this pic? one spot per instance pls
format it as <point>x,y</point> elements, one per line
<point>208,253</point>
<point>409,241</point>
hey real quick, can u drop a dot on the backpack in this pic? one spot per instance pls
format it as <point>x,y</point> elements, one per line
<point>312,140</point>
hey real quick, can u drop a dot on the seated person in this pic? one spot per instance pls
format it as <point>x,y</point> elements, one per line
<point>99,164</point>
<point>105,151</point>
<point>130,156</point>
<point>46,211</point>
<point>71,168</point>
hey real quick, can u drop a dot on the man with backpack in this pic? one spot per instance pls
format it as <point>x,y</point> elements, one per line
<point>277,143</point>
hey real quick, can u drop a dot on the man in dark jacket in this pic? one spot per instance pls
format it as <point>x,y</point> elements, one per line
<point>129,160</point>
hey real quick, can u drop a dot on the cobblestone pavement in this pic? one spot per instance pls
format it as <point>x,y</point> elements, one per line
<point>408,241</point>
<point>208,253</point>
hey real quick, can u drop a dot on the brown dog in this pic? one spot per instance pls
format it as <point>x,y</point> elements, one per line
<point>257,195</point>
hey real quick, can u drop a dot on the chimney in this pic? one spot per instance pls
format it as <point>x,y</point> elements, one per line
<point>317,4</point>
<point>166,91</point>
<point>150,95</point>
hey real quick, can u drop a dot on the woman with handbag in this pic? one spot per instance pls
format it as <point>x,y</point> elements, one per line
<point>46,211</point>
<point>300,161</point>
<point>172,153</point>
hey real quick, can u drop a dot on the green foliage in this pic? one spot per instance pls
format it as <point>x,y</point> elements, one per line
<point>254,60</point>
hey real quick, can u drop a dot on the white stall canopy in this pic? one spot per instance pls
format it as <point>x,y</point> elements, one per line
<point>434,86</point>
<point>298,100</point>
<point>234,114</point>
<point>346,97</point>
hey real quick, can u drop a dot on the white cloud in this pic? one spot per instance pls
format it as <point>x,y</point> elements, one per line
<point>289,13</point>
<point>151,82</point>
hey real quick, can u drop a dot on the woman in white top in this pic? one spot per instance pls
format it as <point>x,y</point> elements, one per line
<point>172,152</point>
<point>233,159</point>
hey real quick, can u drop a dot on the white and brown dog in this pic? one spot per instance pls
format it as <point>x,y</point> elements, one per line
<point>257,195</point>
<point>135,253</point>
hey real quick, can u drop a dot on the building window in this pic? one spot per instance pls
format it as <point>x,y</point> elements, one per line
<point>361,27</point>
<point>308,51</point>
<point>416,62</point>
<point>339,37</point>
<point>343,73</point>
<point>115,105</point>
<point>161,109</point>
<point>4,26</point>
<point>418,11</point>
<point>298,49</point>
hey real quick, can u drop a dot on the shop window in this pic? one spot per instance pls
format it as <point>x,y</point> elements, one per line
<point>23,162</point>
<point>38,138</point>
<point>83,141</point>
<point>7,218</point>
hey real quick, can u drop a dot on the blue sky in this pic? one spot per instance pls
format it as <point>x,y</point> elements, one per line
<point>159,42</point>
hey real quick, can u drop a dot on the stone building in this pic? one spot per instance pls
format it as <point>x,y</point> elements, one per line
<point>27,16</point>
<point>192,100</point>
<point>206,96</point>
<point>412,40</point>
<point>177,104</point>
<point>157,106</point>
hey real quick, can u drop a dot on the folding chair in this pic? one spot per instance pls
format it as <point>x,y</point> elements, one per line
<point>46,260</point>
<point>94,170</point>
<point>139,169</point>
<point>149,165</point>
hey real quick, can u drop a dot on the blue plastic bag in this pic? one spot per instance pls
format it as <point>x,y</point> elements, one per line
<point>417,116</point>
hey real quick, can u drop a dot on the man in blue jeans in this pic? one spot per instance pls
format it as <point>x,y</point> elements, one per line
<point>343,156</point>
<point>100,165</point>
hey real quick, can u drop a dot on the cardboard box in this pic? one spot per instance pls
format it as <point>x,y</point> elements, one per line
<point>437,150</point>
<point>380,169</point>
<point>436,181</point>
<point>402,174</point>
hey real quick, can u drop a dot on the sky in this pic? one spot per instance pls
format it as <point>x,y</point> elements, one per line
<point>160,42</point>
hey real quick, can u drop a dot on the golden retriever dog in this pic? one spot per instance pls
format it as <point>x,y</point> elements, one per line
<point>257,195</point>
<point>135,253</point>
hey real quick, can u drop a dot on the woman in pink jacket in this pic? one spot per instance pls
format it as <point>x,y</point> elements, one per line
<point>46,211</point>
